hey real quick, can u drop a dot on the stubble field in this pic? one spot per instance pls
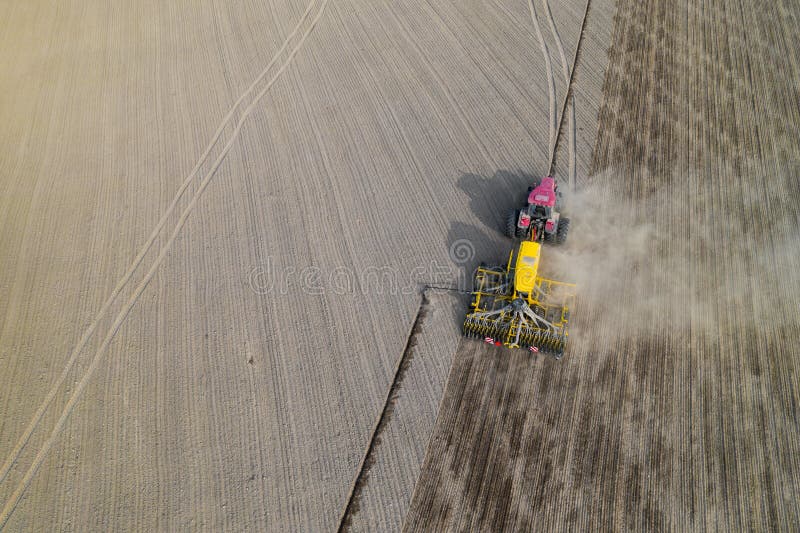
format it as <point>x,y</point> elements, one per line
<point>676,407</point>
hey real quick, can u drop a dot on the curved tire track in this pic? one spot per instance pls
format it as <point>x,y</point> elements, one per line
<point>22,486</point>
<point>551,83</point>
<point>569,102</point>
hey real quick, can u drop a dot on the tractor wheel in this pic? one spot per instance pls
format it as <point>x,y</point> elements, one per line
<point>511,224</point>
<point>561,232</point>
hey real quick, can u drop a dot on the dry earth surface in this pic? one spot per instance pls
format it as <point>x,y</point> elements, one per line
<point>215,222</point>
<point>676,406</point>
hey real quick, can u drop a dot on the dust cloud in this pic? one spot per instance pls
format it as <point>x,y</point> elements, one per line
<point>681,255</point>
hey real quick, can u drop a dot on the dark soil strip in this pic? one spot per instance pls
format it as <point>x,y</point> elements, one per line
<point>676,405</point>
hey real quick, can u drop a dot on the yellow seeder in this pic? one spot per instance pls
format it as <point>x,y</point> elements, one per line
<point>513,306</point>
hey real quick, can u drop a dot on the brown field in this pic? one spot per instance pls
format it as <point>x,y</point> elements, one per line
<point>218,220</point>
<point>676,406</point>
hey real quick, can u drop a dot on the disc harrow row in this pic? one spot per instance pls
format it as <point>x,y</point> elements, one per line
<point>532,339</point>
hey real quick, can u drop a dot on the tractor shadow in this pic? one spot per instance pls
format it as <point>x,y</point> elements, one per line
<point>491,199</point>
<point>468,246</point>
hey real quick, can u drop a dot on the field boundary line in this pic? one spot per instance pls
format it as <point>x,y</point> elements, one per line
<point>566,70</point>
<point>570,99</point>
<point>22,486</point>
<point>383,417</point>
<point>23,440</point>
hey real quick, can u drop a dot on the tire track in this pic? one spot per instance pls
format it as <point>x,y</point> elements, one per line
<point>23,485</point>
<point>565,68</point>
<point>11,459</point>
<point>551,82</point>
<point>569,101</point>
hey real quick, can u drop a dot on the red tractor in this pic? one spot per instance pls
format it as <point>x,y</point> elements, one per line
<point>540,220</point>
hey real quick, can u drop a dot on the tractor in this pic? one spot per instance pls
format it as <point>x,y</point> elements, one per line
<point>540,220</point>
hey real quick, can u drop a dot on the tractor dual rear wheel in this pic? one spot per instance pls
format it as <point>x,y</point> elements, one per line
<point>512,230</point>
<point>562,231</point>
<point>511,224</point>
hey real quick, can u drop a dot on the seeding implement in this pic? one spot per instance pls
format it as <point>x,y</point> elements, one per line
<point>513,306</point>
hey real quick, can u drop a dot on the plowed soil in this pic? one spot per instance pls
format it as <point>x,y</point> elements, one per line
<point>676,405</point>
